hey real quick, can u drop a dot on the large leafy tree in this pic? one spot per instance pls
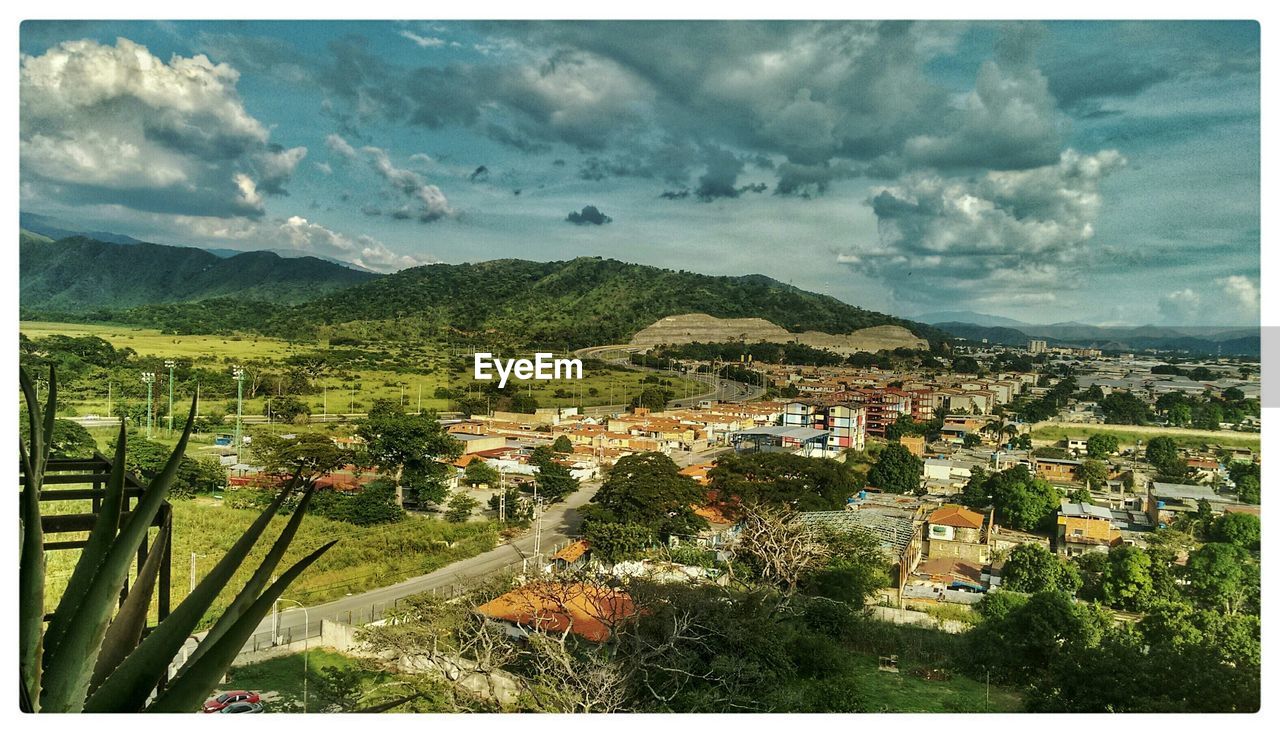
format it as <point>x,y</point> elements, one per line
<point>1223,577</point>
<point>406,447</point>
<point>309,455</point>
<point>647,489</point>
<point>1032,568</point>
<point>1021,500</point>
<point>70,439</point>
<point>1163,453</point>
<point>1127,581</point>
<point>784,480</point>
<point>1236,528</point>
<point>896,470</point>
<point>1101,444</point>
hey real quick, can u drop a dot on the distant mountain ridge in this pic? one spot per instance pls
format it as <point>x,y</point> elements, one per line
<point>78,274</point>
<point>1195,340</point>
<point>582,302</point>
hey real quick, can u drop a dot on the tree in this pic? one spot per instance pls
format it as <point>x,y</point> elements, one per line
<point>1124,408</point>
<point>555,481</point>
<point>70,439</point>
<point>1093,473</point>
<point>524,403</point>
<point>562,444</point>
<point>371,504</point>
<point>309,455</point>
<point>461,505</point>
<point>480,473</point>
<point>1127,581</point>
<point>654,398</point>
<point>406,447</point>
<point>896,470</point>
<point>1031,568</point>
<point>786,480</point>
<point>1163,453</point>
<point>1237,528</point>
<point>613,542</point>
<point>1021,500</point>
<point>647,489</point>
<point>1101,445</point>
<point>971,440</point>
<point>1223,577</point>
<point>287,408</point>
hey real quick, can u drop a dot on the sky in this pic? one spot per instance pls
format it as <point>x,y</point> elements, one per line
<point>1101,172</point>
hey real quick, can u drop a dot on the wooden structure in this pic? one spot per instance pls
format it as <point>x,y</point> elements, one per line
<point>86,479</point>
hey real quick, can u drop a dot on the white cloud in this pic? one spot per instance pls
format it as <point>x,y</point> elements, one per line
<point>115,124</point>
<point>299,234</point>
<point>1180,308</point>
<point>339,145</point>
<point>423,41</point>
<point>1005,235</point>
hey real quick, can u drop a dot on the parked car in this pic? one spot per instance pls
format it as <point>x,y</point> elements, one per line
<point>216,705</point>
<point>242,707</point>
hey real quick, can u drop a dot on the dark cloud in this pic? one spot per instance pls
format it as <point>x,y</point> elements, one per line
<point>588,215</point>
<point>479,175</point>
<point>721,177</point>
<point>675,195</point>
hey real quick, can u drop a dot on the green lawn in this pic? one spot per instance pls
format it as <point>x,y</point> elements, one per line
<point>907,692</point>
<point>364,558</point>
<point>1129,435</point>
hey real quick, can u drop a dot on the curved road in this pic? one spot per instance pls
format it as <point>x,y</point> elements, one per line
<point>722,390</point>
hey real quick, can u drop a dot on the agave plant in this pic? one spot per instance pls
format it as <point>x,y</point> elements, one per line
<point>91,655</point>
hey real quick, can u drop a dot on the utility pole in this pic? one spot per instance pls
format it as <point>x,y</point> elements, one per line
<point>325,408</point>
<point>191,585</point>
<point>149,379</point>
<point>170,363</point>
<point>108,398</point>
<point>239,374</point>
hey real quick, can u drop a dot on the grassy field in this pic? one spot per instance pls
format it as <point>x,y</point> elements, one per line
<point>364,558</point>
<point>413,382</point>
<point>279,681</point>
<point>907,692</point>
<point>1128,435</point>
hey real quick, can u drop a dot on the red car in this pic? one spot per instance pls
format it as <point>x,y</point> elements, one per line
<point>216,704</point>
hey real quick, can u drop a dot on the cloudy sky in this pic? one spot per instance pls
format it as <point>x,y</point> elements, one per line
<point>1099,172</point>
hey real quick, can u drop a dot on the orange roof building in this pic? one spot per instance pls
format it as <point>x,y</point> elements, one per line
<point>588,611</point>
<point>570,553</point>
<point>956,516</point>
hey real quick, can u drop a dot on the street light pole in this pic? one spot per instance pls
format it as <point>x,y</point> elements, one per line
<point>239,374</point>
<point>306,646</point>
<point>149,379</point>
<point>169,363</point>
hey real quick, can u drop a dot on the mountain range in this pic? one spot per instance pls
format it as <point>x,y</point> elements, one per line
<point>78,274</point>
<point>582,302</point>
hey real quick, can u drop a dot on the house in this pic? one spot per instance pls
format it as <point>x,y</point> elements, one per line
<point>914,444</point>
<point>1062,470</point>
<point>585,610</point>
<point>1166,501</point>
<point>1085,528</point>
<point>945,477</point>
<point>954,531</point>
<point>895,528</point>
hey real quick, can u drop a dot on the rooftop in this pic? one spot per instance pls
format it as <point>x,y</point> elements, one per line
<point>954,515</point>
<point>588,611</point>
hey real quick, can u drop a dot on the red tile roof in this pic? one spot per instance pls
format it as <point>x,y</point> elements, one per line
<point>956,516</point>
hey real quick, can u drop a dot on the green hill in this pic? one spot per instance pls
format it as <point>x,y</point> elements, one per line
<point>583,302</point>
<point>78,274</point>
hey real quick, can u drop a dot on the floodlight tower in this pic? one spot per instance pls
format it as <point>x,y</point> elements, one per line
<point>170,363</point>
<point>239,375</point>
<point>149,378</point>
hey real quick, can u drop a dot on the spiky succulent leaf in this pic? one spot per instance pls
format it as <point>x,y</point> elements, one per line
<point>128,687</point>
<point>188,690</point>
<point>253,588</point>
<point>68,669</point>
<point>31,552</point>
<point>126,628</point>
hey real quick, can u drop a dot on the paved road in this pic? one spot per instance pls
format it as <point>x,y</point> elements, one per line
<point>559,525</point>
<point>722,390</point>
